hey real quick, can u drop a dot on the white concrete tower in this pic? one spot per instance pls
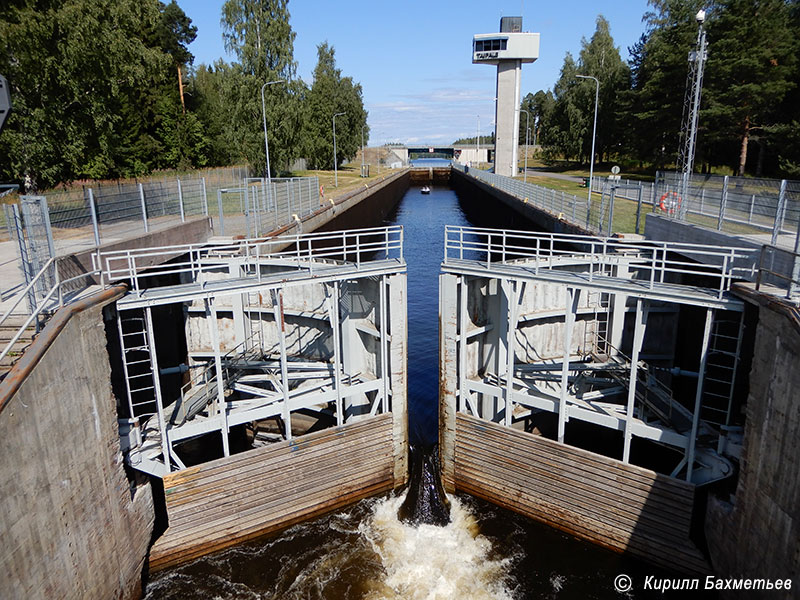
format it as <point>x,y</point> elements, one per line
<point>508,50</point>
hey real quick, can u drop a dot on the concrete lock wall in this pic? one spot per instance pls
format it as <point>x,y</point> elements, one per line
<point>73,525</point>
<point>763,514</point>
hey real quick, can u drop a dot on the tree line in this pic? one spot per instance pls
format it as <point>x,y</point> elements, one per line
<point>750,111</point>
<point>107,89</point>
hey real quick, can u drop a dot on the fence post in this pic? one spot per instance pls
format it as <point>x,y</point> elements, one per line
<point>779,213</point>
<point>93,211</point>
<point>221,218</point>
<point>205,197</point>
<point>654,192</point>
<point>638,210</point>
<point>180,201</point>
<point>702,199</point>
<point>246,211</point>
<point>144,208</point>
<point>722,201</point>
<point>611,211</point>
<point>794,283</point>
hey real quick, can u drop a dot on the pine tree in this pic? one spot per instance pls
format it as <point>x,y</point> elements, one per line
<point>661,68</point>
<point>752,57</point>
<point>175,33</point>
<point>600,58</point>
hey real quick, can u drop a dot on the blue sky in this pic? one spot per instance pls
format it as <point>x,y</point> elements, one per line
<point>413,58</point>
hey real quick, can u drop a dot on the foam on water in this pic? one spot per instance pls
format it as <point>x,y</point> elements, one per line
<point>364,552</point>
<point>427,562</point>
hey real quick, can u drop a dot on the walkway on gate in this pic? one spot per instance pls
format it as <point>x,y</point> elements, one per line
<point>262,359</point>
<point>780,249</point>
<point>508,335</point>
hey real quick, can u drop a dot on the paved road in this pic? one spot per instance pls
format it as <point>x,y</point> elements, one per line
<point>537,172</point>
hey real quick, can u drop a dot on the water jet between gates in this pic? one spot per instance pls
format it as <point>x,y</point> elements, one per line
<point>426,502</point>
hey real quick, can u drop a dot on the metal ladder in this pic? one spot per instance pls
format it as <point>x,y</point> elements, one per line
<point>721,366</point>
<point>137,363</point>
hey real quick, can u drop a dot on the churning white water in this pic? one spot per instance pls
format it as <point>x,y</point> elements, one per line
<point>426,562</point>
<point>364,552</point>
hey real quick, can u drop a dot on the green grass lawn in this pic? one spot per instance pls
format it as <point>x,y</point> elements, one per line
<point>624,210</point>
<point>349,178</point>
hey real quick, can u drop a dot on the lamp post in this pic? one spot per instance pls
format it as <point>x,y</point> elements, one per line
<point>478,141</point>
<point>594,134</point>
<point>527,141</point>
<point>335,166</point>
<point>266,141</point>
<point>527,130</point>
<point>362,150</point>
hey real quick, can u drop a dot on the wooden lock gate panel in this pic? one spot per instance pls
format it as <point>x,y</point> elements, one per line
<point>242,497</point>
<point>605,501</point>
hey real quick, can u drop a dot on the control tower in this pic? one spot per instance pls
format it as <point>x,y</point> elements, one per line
<point>507,49</point>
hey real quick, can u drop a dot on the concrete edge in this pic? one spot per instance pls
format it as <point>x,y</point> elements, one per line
<point>23,367</point>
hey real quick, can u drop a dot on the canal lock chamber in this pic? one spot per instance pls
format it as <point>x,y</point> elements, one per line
<point>308,335</point>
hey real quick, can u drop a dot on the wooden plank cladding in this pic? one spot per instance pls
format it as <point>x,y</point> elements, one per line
<point>239,498</point>
<point>616,505</point>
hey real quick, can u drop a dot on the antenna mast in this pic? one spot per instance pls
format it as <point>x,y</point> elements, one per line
<point>691,112</point>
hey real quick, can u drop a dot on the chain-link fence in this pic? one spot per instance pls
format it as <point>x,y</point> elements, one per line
<point>259,205</point>
<point>739,205</point>
<point>89,215</point>
<point>593,218</point>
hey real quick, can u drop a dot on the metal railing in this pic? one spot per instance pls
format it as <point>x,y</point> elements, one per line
<point>52,299</point>
<point>773,264</point>
<point>650,391</point>
<point>301,251</point>
<point>652,262</point>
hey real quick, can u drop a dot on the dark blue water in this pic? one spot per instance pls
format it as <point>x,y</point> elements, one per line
<point>423,217</point>
<point>359,553</point>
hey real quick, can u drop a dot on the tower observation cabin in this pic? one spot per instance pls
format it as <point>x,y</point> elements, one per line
<point>507,49</point>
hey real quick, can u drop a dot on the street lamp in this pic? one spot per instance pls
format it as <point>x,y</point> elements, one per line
<point>335,167</point>
<point>594,134</point>
<point>478,141</point>
<point>266,141</point>
<point>527,131</point>
<point>362,150</point>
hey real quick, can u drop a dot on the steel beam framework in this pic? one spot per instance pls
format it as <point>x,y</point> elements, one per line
<point>274,356</point>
